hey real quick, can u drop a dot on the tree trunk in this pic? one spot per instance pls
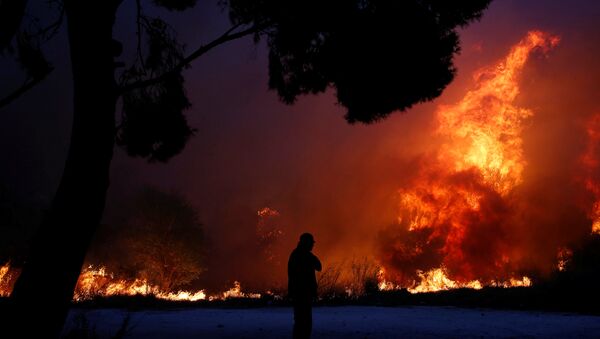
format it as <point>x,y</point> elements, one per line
<point>42,295</point>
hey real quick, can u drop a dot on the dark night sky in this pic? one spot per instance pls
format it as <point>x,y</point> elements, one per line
<point>252,151</point>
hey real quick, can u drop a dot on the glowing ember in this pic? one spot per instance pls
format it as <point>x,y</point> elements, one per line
<point>268,233</point>
<point>564,256</point>
<point>267,212</point>
<point>596,216</point>
<point>591,165</point>
<point>236,292</point>
<point>460,196</point>
<point>523,282</point>
<point>7,279</point>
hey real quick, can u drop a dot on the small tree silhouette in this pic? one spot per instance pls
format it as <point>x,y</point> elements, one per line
<point>165,239</point>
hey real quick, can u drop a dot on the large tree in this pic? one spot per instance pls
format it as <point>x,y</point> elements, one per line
<point>379,56</point>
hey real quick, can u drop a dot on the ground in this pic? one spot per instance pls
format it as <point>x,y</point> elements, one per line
<point>342,322</point>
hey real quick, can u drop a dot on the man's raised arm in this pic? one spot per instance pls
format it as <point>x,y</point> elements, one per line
<point>317,263</point>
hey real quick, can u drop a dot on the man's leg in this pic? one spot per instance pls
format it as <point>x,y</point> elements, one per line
<point>308,320</point>
<point>302,320</point>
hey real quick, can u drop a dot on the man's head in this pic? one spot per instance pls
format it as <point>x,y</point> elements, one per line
<point>307,241</point>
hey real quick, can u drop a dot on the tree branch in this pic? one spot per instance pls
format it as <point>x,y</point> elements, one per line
<point>45,34</point>
<point>225,37</point>
<point>11,15</point>
<point>21,90</point>
<point>50,31</point>
<point>139,32</point>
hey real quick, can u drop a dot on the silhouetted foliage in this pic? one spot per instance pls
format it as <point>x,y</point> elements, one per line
<point>11,14</point>
<point>26,40</point>
<point>348,279</point>
<point>153,125</point>
<point>379,55</point>
<point>364,276</point>
<point>328,281</point>
<point>30,57</point>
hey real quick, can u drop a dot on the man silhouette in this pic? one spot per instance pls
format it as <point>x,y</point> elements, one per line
<point>302,284</point>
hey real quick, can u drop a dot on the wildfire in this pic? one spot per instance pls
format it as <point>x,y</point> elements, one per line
<point>437,280</point>
<point>463,192</point>
<point>97,282</point>
<point>453,214</point>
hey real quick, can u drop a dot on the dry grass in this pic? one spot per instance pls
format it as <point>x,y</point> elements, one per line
<point>352,278</point>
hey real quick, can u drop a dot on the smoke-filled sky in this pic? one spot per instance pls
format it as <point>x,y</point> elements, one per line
<point>338,181</point>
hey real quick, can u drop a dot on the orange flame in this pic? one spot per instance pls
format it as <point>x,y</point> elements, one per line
<point>464,188</point>
<point>383,284</point>
<point>437,280</point>
<point>484,128</point>
<point>7,278</point>
<point>97,282</point>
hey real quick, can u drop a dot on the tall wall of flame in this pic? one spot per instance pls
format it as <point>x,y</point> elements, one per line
<point>460,210</point>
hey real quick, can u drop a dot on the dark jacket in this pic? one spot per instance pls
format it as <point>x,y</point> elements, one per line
<point>302,281</point>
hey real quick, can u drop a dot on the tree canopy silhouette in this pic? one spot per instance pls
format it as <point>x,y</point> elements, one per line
<point>379,57</point>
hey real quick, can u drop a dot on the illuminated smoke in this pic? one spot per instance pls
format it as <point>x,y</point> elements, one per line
<point>455,215</point>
